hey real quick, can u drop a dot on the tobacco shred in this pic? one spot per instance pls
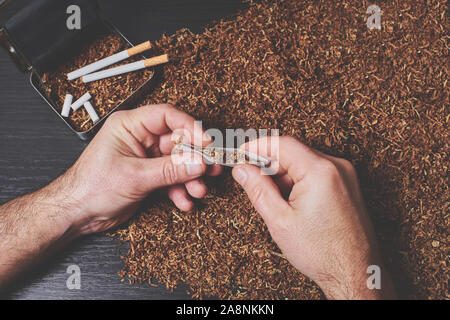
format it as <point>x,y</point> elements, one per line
<point>106,94</point>
<point>312,69</point>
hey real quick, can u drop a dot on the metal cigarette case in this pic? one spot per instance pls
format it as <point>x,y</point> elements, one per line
<point>48,44</point>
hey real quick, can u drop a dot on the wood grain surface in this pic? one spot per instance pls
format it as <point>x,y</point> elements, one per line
<point>36,147</point>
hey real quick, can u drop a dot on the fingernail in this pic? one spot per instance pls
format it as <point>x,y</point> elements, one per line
<point>206,137</point>
<point>240,175</point>
<point>176,138</point>
<point>194,169</point>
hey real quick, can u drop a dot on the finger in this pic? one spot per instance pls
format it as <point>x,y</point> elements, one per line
<point>285,184</point>
<point>180,198</point>
<point>162,119</point>
<point>166,143</point>
<point>262,192</point>
<point>130,131</point>
<point>154,120</point>
<point>169,170</point>
<point>166,146</point>
<point>214,170</point>
<point>196,188</point>
<point>348,173</point>
<point>290,156</point>
<point>153,151</point>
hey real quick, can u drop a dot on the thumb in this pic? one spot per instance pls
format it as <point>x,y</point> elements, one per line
<point>172,170</point>
<point>262,191</point>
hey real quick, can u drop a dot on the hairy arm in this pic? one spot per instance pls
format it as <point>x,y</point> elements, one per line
<point>33,226</point>
<point>128,159</point>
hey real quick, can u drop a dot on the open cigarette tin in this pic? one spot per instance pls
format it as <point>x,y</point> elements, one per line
<point>24,64</point>
<point>35,81</point>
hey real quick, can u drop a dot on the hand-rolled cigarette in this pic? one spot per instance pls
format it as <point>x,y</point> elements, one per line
<point>90,109</point>
<point>67,104</point>
<point>77,104</point>
<point>100,64</point>
<point>126,68</point>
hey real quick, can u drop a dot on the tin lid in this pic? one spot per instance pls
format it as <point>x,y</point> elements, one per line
<point>3,3</point>
<point>44,32</point>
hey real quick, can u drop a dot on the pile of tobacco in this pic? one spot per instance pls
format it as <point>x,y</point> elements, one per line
<point>314,70</point>
<point>106,94</point>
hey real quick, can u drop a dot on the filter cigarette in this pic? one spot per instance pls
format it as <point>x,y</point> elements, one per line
<point>77,104</point>
<point>103,63</point>
<point>126,68</point>
<point>90,109</point>
<point>67,104</point>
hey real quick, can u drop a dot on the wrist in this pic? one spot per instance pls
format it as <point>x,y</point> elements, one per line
<point>67,201</point>
<point>350,287</point>
<point>358,284</point>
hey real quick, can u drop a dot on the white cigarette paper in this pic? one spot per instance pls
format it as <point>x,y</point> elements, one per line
<point>108,61</point>
<point>77,104</point>
<point>67,104</point>
<point>90,109</point>
<point>114,71</point>
<point>126,68</point>
<point>98,65</point>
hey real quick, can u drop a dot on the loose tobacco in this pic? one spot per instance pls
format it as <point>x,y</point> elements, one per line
<point>312,69</point>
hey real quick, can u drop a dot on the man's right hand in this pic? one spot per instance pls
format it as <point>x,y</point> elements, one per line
<point>315,212</point>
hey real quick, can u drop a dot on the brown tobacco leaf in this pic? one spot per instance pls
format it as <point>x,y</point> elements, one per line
<point>312,69</point>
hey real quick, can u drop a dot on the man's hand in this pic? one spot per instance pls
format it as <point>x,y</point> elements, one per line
<point>128,159</point>
<point>315,213</point>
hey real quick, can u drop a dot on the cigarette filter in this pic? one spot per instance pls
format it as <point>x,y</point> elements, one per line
<point>100,64</point>
<point>67,103</point>
<point>126,68</point>
<point>90,109</point>
<point>77,104</point>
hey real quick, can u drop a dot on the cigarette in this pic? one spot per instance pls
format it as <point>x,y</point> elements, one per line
<point>100,64</point>
<point>90,109</point>
<point>126,68</point>
<point>67,104</point>
<point>77,104</point>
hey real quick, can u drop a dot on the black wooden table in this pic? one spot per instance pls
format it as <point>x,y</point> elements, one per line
<point>36,147</point>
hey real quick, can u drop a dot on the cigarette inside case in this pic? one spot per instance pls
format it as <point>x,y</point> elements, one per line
<point>77,104</point>
<point>91,111</point>
<point>106,94</point>
<point>67,104</point>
